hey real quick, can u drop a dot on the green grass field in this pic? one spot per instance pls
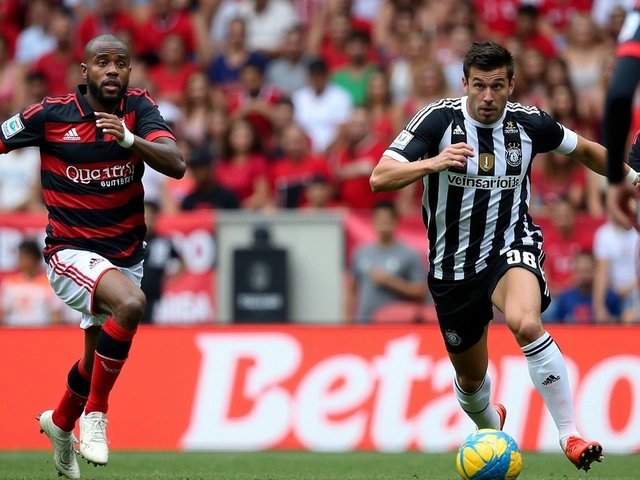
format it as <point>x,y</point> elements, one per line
<point>301,466</point>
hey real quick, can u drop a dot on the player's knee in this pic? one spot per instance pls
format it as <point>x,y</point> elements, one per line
<point>470,382</point>
<point>527,329</point>
<point>131,309</point>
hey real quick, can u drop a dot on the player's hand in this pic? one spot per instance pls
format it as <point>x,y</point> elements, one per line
<point>110,124</point>
<point>620,205</point>
<point>453,156</point>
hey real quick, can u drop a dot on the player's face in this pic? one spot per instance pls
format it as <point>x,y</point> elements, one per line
<point>107,73</point>
<point>488,93</point>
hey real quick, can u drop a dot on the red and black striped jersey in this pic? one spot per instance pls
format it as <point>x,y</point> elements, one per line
<point>90,184</point>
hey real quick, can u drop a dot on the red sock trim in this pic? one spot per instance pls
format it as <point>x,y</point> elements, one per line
<point>116,332</point>
<point>86,375</point>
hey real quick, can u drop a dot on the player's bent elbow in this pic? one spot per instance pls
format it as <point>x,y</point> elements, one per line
<point>376,182</point>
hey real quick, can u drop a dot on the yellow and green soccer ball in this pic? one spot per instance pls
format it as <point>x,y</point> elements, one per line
<point>489,454</point>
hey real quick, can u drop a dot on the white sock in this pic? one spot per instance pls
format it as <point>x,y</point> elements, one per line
<point>478,404</point>
<point>549,375</point>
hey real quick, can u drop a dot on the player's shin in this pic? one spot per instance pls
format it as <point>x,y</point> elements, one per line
<point>74,398</point>
<point>477,405</point>
<point>548,372</point>
<point>112,350</point>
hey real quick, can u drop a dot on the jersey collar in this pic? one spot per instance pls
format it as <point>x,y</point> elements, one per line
<point>476,123</point>
<point>83,106</point>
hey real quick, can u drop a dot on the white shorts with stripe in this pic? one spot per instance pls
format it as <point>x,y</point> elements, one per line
<point>74,275</point>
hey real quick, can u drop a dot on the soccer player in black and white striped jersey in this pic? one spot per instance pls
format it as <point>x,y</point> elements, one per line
<point>473,155</point>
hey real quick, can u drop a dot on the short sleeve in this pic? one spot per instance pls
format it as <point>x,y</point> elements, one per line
<point>149,123</point>
<point>420,135</point>
<point>24,129</point>
<point>549,135</point>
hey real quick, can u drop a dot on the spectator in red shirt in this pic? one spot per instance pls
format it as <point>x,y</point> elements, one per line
<point>54,65</point>
<point>244,169</point>
<point>527,31</point>
<point>499,16</point>
<point>291,174</point>
<point>107,17</point>
<point>556,176</point>
<point>197,108</point>
<point>558,13</point>
<point>165,20</point>
<point>355,162</point>
<point>171,74</point>
<point>380,107</point>
<point>562,242</point>
<point>254,99</point>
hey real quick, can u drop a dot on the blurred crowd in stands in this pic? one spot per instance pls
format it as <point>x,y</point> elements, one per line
<point>289,104</point>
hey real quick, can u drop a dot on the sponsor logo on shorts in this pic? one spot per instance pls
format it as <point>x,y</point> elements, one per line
<point>484,183</point>
<point>95,261</point>
<point>452,338</point>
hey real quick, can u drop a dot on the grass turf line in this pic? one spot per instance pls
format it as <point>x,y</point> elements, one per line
<point>301,466</point>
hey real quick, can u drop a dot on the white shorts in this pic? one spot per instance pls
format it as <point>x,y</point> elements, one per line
<point>74,275</point>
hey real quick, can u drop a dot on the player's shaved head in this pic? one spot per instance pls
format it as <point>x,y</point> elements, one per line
<point>95,44</point>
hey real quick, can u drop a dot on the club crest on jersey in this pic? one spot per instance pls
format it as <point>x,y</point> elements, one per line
<point>510,127</point>
<point>402,140</point>
<point>514,154</point>
<point>12,126</point>
<point>485,161</point>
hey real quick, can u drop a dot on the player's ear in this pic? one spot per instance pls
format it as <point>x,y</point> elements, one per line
<point>84,70</point>
<point>512,84</point>
<point>465,85</point>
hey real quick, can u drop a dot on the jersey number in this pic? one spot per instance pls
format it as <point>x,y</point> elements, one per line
<point>528,258</point>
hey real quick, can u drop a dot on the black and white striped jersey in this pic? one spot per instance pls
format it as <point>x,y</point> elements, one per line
<point>475,213</point>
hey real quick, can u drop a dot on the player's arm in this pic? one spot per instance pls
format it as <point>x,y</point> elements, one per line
<point>402,163</point>
<point>24,129</point>
<point>594,156</point>
<point>159,151</point>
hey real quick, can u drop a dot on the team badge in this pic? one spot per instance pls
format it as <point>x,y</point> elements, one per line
<point>12,126</point>
<point>402,140</point>
<point>452,338</point>
<point>514,154</point>
<point>510,127</point>
<point>486,160</point>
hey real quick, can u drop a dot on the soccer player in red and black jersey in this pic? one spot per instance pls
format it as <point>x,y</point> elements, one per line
<point>617,121</point>
<point>94,145</point>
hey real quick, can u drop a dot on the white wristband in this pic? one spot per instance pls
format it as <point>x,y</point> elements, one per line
<point>632,177</point>
<point>128,139</point>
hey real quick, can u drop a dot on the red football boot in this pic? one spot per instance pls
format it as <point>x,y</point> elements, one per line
<point>582,453</point>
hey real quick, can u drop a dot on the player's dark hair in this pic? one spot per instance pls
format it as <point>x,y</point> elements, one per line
<point>386,205</point>
<point>30,247</point>
<point>487,56</point>
<point>105,38</point>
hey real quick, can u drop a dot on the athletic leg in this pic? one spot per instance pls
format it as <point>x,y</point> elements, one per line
<point>118,296</point>
<point>518,295</point>
<point>472,385</point>
<point>464,311</point>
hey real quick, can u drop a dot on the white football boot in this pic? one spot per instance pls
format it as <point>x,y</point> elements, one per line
<point>64,454</point>
<point>93,438</point>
